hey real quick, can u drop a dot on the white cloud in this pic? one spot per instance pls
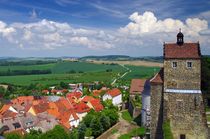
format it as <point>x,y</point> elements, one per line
<point>148,23</point>
<point>145,33</point>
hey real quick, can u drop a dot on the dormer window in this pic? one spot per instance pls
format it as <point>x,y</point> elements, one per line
<point>189,64</point>
<point>174,64</point>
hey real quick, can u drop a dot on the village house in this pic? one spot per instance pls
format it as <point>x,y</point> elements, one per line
<point>115,95</point>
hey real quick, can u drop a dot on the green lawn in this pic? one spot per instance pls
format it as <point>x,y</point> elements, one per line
<point>126,116</point>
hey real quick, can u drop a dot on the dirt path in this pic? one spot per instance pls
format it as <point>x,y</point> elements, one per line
<point>122,127</point>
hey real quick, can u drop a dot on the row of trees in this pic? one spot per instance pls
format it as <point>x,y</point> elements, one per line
<point>24,72</point>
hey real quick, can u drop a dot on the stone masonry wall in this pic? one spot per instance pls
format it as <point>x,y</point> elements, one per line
<point>156,108</point>
<point>182,77</point>
<point>186,114</point>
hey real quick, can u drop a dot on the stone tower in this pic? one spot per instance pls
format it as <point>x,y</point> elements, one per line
<point>180,98</point>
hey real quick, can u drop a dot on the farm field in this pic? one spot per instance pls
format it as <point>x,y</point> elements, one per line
<point>75,72</point>
<point>134,63</point>
<point>63,67</point>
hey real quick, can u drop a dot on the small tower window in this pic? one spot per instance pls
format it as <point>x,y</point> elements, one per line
<point>174,64</point>
<point>189,64</point>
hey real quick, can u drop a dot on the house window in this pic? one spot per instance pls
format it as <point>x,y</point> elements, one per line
<point>174,64</point>
<point>182,136</point>
<point>189,64</point>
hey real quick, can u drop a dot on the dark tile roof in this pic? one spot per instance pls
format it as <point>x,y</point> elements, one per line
<point>187,50</point>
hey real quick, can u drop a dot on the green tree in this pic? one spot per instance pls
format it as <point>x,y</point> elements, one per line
<point>112,114</point>
<point>96,127</point>
<point>57,132</point>
<point>81,130</point>
<point>88,132</point>
<point>2,91</point>
<point>105,121</point>
<point>64,85</point>
<point>12,136</point>
<point>74,134</point>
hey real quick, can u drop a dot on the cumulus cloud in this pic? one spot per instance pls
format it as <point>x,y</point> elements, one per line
<point>47,34</point>
<point>148,23</point>
<point>144,33</point>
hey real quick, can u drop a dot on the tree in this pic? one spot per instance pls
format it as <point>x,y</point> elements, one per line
<point>88,132</point>
<point>81,130</point>
<point>105,121</point>
<point>112,114</point>
<point>57,132</point>
<point>12,136</point>
<point>64,85</point>
<point>87,119</point>
<point>74,134</point>
<point>2,91</point>
<point>96,127</point>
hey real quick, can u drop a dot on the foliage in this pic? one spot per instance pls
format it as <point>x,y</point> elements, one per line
<point>12,136</point>
<point>96,127</point>
<point>205,74</point>
<point>126,116</point>
<point>88,132</point>
<point>64,85</point>
<point>167,130</point>
<point>81,130</point>
<point>105,121</point>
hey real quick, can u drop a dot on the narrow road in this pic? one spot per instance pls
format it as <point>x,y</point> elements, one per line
<point>117,78</point>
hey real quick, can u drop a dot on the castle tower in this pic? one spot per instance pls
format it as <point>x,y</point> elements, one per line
<point>182,102</point>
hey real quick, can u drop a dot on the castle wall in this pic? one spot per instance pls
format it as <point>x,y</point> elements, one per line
<point>182,77</point>
<point>186,114</point>
<point>156,108</point>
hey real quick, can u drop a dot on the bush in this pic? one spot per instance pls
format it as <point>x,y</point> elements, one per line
<point>167,130</point>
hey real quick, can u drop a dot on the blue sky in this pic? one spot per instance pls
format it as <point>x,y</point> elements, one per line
<point>99,27</point>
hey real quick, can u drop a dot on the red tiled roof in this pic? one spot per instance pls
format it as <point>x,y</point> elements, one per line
<point>81,108</point>
<point>42,107</point>
<point>137,86</point>
<point>64,118</point>
<point>97,105</point>
<point>87,98</point>
<point>187,50</point>
<point>74,94</point>
<point>158,78</point>
<point>97,92</point>
<point>114,92</point>
<point>45,91</point>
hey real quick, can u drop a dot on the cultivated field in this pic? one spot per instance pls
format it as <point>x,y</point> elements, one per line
<point>75,72</point>
<point>134,63</point>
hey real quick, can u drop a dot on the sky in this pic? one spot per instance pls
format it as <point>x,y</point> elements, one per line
<point>74,28</point>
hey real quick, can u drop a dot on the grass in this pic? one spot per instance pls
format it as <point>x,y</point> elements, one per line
<point>114,131</point>
<point>134,132</point>
<point>126,116</point>
<point>207,109</point>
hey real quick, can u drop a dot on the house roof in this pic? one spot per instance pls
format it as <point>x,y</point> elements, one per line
<point>64,118</point>
<point>97,92</point>
<point>114,92</point>
<point>39,108</point>
<point>82,108</point>
<point>158,78</point>
<point>87,98</point>
<point>187,50</point>
<point>74,94</point>
<point>97,105</point>
<point>137,86</point>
